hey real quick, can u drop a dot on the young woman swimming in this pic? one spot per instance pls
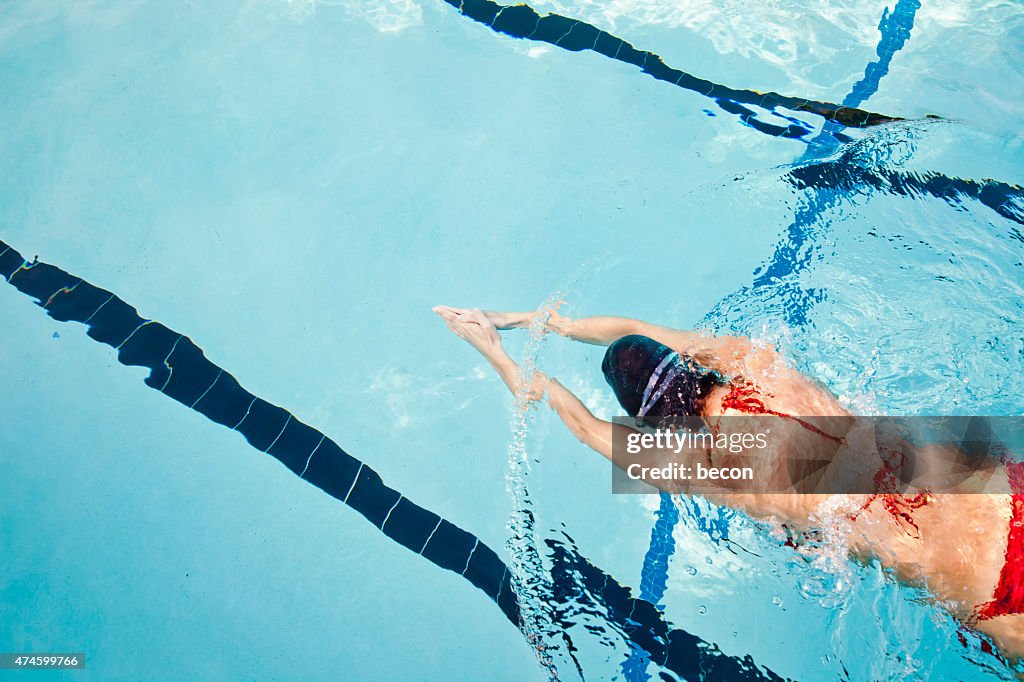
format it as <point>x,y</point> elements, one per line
<point>966,549</point>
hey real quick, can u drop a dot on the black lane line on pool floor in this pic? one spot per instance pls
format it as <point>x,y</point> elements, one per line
<point>180,370</point>
<point>522,21</point>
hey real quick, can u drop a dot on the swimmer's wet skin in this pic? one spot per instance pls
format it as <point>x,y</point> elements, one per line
<point>968,550</point>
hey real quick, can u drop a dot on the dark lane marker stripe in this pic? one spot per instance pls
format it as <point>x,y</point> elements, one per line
<point>895,28</point>
<point>180,370</point>
<point>522,21</point>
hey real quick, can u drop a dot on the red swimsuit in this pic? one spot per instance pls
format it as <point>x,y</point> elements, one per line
<point>1008,597</point>
<point>1009,594</point>
<point>743,397</point>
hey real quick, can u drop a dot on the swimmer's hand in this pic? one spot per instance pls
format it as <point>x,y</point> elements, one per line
<point>500,320</point>
<point>473,327</point>
<point>555,322</point>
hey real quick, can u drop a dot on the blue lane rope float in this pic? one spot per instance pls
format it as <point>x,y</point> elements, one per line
<point>523,22</point>
<point>845,175</point>
<point>180,370</point>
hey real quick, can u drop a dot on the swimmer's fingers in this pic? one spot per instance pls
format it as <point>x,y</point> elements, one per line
<point>452,321</point>
<point>532,392</point>
<point>457,329</point>
<point>476,315</point>
<point>463,316</point>
<point>452,316</point>
<point>445,312</point>
<point>449,310</point>
<point>467,320</point>
<point>479,331</point>
<point>463,325</point>
<point>456,324</point>
<point>559,324</point>
<point>500,320</point>
<point>481,335</point>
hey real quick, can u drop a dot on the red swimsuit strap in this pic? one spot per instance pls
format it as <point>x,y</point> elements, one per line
<point>900,506</point>
<point>743,396</point>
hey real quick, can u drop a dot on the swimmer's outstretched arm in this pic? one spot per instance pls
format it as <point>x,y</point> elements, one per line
<point>479,331</point>
<point>730,354</point>
<point>600,330</point>
<point>476,329</point>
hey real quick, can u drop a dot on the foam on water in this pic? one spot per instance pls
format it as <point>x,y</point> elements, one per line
<point>530,579</point>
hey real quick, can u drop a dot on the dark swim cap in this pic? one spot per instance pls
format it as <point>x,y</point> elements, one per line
<point>679,384</point>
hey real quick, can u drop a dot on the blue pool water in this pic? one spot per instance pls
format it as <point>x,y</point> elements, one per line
<point>289,187</point>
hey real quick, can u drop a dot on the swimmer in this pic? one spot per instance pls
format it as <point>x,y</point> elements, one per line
<point>967,550</point>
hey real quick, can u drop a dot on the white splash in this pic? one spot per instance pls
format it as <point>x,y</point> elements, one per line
<point>833,578</point>
<point>530,580</point>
